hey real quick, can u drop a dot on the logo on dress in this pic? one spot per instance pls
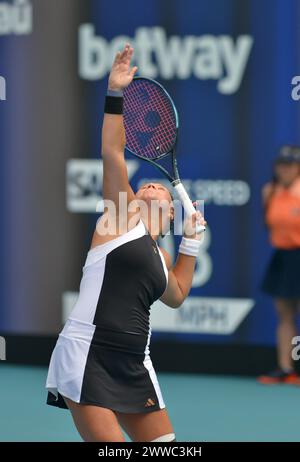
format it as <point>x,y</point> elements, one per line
<point>150,402</point>
<point>154,248</point>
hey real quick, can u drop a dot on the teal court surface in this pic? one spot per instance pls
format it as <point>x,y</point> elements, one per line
<point>201,407</point>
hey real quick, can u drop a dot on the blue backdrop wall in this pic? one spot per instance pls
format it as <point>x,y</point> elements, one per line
<point>228,66</point>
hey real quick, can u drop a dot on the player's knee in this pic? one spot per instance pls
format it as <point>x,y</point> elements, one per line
<point>168,438</point>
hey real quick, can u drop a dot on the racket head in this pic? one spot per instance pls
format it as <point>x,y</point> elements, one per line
<point>150,119</point>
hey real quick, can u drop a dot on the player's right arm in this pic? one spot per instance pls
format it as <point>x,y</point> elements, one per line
<point>114,221</point>
<point>115,178</point>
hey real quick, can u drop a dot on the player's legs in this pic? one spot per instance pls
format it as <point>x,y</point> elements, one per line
<point>286,330</point>
<point>95,423</point>
<point>147,426</point>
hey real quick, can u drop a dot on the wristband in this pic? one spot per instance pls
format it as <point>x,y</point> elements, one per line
<point>190,247</point>
<point>113,104</point>
<point>114,92</point>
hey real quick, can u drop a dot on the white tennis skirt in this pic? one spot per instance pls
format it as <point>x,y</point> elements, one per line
<point>98,366</point>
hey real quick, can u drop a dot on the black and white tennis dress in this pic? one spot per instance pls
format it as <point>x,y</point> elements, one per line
<point>102,354</point>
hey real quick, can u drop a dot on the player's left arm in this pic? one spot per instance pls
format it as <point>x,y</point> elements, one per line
<point>181,274</point>
<point>179,279</point>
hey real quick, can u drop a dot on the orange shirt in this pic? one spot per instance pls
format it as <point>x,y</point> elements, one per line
<point>283,216</point>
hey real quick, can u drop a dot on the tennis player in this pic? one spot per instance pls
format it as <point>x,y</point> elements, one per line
<point>100,367</point>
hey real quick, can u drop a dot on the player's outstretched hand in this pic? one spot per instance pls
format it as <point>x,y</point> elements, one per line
<point>122,73</point>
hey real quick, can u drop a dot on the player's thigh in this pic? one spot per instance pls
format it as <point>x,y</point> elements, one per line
<point>95,423</point>
<point>146,426</point>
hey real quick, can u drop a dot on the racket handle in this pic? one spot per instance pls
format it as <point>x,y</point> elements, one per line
<point>187,204</point>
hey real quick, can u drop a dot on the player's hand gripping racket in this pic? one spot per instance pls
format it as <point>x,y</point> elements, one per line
<point>151,125</point>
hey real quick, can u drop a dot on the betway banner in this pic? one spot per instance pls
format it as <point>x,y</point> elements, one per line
<point>220,58</point>
<point>230,67</point>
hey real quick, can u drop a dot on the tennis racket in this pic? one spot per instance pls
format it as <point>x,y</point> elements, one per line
<point>151,126</point>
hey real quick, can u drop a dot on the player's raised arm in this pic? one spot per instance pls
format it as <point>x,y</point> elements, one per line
<point>115,178</point>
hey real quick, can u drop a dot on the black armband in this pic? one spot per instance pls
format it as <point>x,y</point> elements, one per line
<point>113,105</point>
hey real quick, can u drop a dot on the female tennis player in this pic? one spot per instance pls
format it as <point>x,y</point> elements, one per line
<point>281,199</point>
<point>100,367</point>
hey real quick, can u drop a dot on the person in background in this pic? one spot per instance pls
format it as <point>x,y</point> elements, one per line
<point>281,202</point>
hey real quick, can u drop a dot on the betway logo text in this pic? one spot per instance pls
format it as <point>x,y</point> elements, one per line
<point>205,57</point>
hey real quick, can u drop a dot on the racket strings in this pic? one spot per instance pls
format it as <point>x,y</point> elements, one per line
<point>149,119</point>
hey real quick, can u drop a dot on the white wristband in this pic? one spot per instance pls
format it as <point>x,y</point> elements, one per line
<point>190,247</point>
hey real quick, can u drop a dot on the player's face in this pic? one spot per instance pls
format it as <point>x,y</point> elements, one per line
<point>153,191</point>
<point>287,173</point>
<point>158,193</point>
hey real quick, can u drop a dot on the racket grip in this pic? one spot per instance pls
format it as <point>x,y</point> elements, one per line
<point>187,204</point>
